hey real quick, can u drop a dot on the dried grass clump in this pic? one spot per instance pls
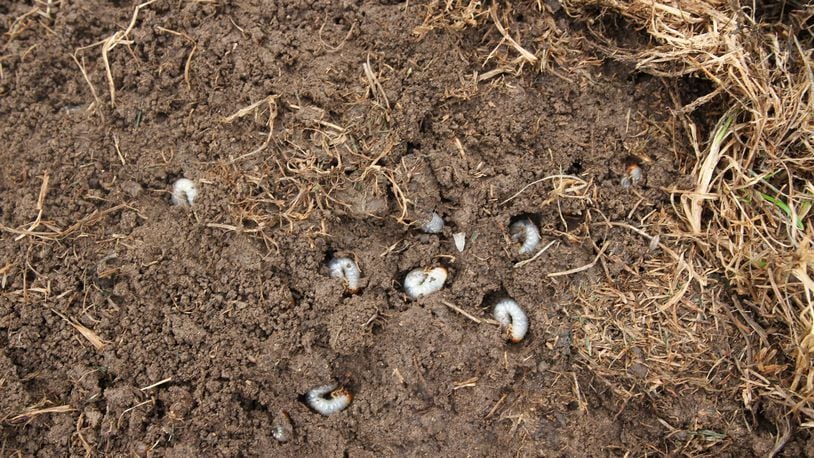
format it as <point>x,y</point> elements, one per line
<point>537,41</point>
<point>652,336</point>
<point>453,15</point>
<point>309,168</point>
<point>748,214</point>
<point>42,13</point>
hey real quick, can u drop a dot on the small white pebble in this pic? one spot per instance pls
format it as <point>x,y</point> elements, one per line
<point>347,270</point>
<point>511,317</point>
<point>525,232</point>
<point>421,282</point>
<point>460,240</point>
<point>184,192</point>
<point>435,225</point>
<point>328,399</point>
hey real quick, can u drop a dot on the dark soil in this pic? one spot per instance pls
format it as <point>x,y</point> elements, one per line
<point>241,315</point>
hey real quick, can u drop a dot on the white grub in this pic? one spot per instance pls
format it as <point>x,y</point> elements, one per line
<point>281,428</point>
<point>512,318</point>
<point>346,270</point>
<point>184,192</point>
<point>633,175</point>
<point>423,282</point>
<point>328,399</point>
<point>460,240</point>
<point>525,232</point>
<point>435,225</point>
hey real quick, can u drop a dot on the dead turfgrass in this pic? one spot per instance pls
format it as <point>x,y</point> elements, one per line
<point>316,165</point>
<point>40,14</point>
<point>34,411</point>
<point>746,219</point>
<point>120,37</point>
<point>550,46</point>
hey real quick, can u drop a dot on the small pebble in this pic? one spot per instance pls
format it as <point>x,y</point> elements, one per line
<point>460,240</point>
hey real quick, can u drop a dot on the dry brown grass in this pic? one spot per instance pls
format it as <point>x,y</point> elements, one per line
<point>539,43</point>
<point>652,333</point>
<point>40,14</point>
<point>310,165</point>
<point>748,213</point>
<point>37,410</point>
<point>120,37</point>
<point>747,216</point>
<point>738,247</point>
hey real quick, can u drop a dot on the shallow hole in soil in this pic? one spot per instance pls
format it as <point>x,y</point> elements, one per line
<point>172,176</point>
<point>535,218</point>
<point>425,125</point>
<point>250,404</point>
<point>118,300</point>
<point>575,168</point>
<point>105,283</point>
<point>413,147</point>
<point>105,378</point>
<point>492,297</point>
<point>572,222</point>
<point>159,409</point>
<point>248,224</point>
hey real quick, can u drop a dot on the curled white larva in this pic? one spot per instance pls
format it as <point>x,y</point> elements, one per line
<point>346,269</point>
<point>281,428</point>
<point>525,232</point>
<point>633,175</point>
<point>184,192</point>
<point>435,225</point>
<point>423,282</point>
<point>511,317</point>
<point>328,399</point>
